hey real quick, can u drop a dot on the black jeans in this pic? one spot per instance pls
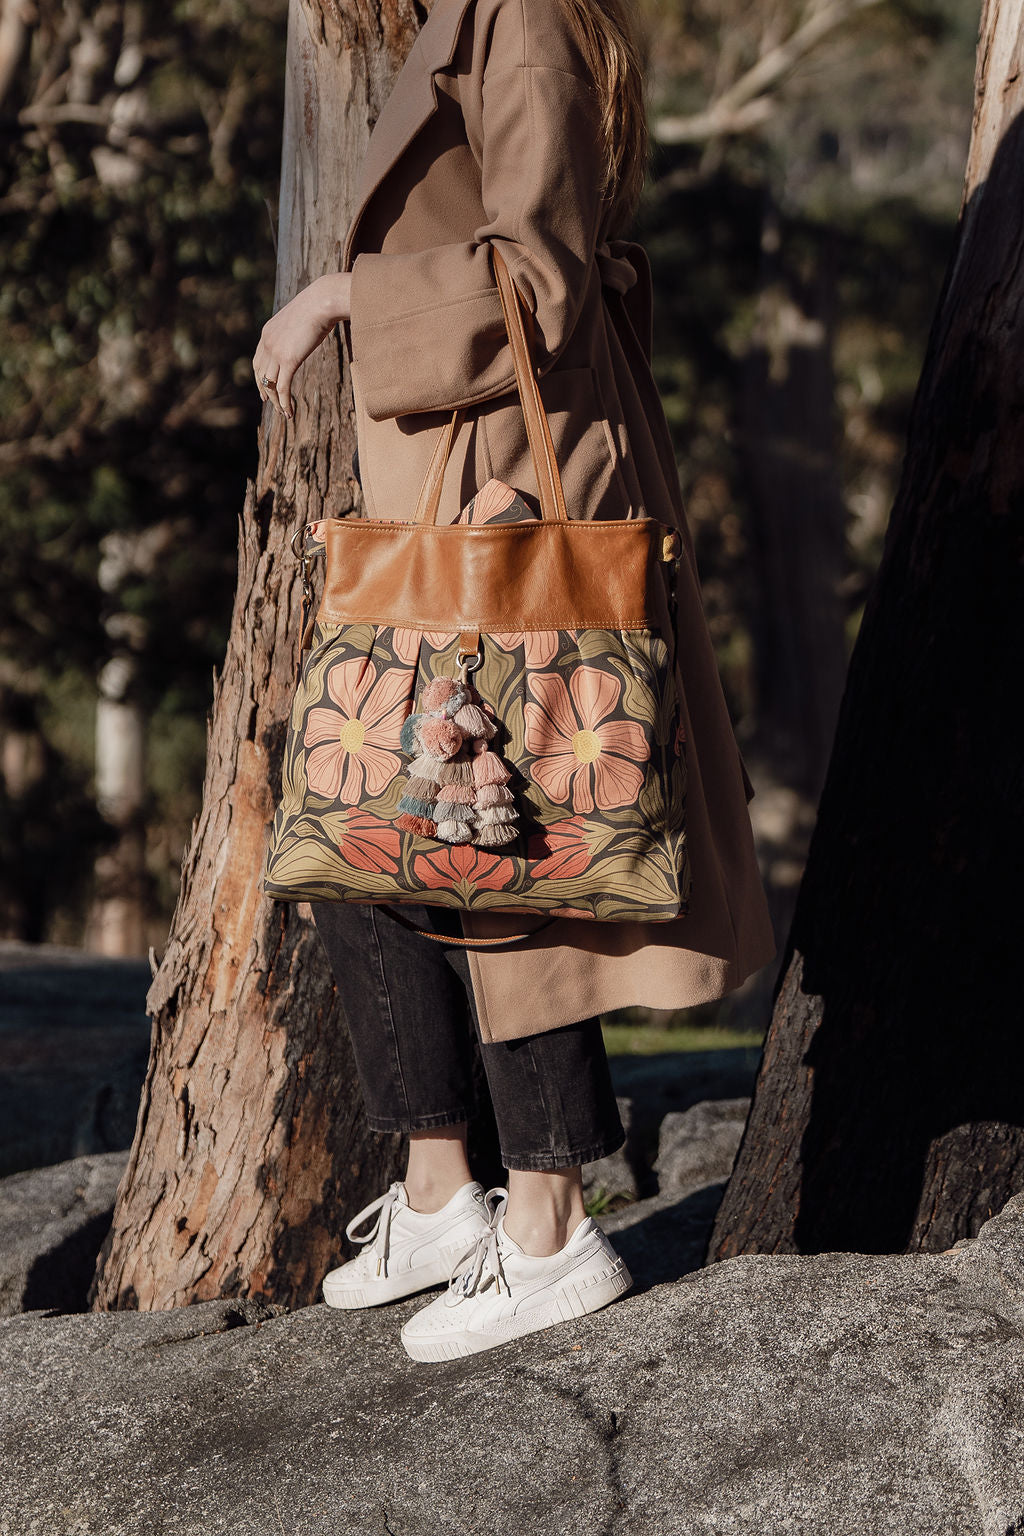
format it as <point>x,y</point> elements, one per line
<point>408,1001</point>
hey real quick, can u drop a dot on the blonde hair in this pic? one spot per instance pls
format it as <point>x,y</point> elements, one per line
<point>609,37</point>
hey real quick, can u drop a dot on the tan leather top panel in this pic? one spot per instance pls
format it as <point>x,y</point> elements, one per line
<point>513,576</point>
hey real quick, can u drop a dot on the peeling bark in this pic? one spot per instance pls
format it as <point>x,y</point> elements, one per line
<point>250,1148</point>
<point>889,1110</point>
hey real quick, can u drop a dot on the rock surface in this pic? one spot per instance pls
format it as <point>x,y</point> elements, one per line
<point>857,1393</point>
<point>52,1223</point>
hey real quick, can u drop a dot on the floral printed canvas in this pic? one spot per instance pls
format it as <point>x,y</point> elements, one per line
<point>587,720</point>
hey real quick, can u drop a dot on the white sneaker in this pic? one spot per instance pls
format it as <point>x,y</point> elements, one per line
<point>407,1250</point>
<point>500,1293</point>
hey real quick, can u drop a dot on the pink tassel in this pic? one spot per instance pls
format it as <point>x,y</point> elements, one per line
<point>437,693</point>
<point>441,738</point>
<point>488,767</point>
<point>493,794</point>
<point>455,794</point>
<point>473,722</point>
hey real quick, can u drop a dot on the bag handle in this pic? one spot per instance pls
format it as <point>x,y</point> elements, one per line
<point>538,433</point>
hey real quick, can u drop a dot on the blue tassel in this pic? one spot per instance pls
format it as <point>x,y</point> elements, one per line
<point>408,738</point>
<point>417,807</point>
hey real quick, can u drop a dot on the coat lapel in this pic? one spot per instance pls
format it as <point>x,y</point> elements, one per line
<point>412,100</point>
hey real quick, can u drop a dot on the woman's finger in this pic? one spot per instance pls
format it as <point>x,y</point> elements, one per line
<point>284,389</point>
<point>266,380</point>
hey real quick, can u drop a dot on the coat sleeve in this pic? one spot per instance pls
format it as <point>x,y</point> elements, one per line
<point>540,172</point>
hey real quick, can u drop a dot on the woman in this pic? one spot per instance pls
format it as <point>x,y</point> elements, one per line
<point>516,124</point>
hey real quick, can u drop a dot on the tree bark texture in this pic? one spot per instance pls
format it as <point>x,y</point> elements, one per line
<point>889,1109</point>
<point>250,1148</point>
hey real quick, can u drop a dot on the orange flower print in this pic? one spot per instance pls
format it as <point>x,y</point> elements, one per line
<point>350,744</point>
<point>561,850</point>
<point>540,646</point>
<point>579,754</point>
<point>369,843</point>
<point>464,869</point>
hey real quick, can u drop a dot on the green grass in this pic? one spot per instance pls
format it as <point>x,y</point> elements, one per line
<point>645,1040</point>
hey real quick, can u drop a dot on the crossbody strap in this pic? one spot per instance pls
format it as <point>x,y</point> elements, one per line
<point>444,938</point>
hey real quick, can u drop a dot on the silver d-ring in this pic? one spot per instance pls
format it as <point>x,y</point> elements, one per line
<point>462,659</point>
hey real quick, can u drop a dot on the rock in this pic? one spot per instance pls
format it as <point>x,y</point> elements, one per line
<point>74,1044</point>
<point>870,1394</point>
<point>699,1146</point>
<point>52,1223</point>
<point>614,1176</point>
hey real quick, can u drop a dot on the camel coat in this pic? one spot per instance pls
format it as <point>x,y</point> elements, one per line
<point>490,135</point>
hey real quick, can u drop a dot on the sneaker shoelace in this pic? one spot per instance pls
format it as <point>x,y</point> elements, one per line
<point>483,1255</point>
<point>378,1236</point>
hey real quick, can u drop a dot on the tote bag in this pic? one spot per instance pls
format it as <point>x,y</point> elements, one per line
<point>488,714</point>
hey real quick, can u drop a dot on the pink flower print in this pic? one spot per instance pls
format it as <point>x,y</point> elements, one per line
<point>351,744</point>
<point>369,843</point>
<point>407,642</point>
<point>540,646</point>
<point>464,869</point>
<point>580,754</point>
<point>562,851</point>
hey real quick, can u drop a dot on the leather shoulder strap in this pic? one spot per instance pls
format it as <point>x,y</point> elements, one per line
<point>538,432</point>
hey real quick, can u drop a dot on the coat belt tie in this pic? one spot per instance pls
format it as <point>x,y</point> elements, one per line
<point>615,265</point>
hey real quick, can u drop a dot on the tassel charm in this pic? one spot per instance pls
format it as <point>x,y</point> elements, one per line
<point>456,787</point>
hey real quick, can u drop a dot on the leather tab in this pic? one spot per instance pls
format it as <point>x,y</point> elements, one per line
<point>671,545</point>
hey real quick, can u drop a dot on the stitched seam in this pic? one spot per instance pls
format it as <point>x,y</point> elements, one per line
<point>485,626</point>
<point>551,69</point>
<point>420,309</point>
<point>504,530</point>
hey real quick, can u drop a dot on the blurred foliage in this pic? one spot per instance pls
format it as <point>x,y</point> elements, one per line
<point>142,148</point>
<point>142,151</point>
<point>859,165</point>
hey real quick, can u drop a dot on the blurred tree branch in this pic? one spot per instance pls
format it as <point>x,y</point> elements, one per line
<point>748,102</point>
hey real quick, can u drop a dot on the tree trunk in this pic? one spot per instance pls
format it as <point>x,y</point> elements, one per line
<point>797,520</point>
<point>889,1109</point>
<point>250,1148</point>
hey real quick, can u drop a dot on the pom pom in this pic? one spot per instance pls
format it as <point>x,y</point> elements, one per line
<point>437,693</point>
<point>495,835</point>
<point>421,825</point>
<point>424,767</point>
<point>473,722</point>
<point>455,794</point>
<point>493,794</point>
<point>456,772</point>
<point>492,814</point>
<point>454,831</point>
<point>408,738</point>
<point>488,767</point>
<point>458,700</point>
<point>422,789</point>
<point>440,738</point>
<point>416,807</point>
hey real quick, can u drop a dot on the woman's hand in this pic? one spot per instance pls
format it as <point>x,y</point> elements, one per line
<point>294,332</point>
